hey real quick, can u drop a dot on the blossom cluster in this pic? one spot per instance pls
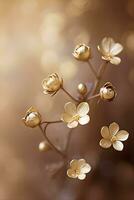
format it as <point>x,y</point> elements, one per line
<point>77,112</point>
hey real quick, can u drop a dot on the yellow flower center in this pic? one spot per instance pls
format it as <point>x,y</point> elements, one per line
<point>75,117</point>
<point>113,139</point>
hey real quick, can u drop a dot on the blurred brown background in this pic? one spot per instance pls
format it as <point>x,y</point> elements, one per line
<point>37,37</point>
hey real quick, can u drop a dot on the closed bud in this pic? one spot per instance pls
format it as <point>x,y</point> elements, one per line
<point>82,88</point>
<point>32,118</point>
<point>82,52</point>
<point>107,92</point>
<point>44,146</point>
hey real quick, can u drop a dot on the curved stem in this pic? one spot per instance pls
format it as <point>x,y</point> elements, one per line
<point>92,69</point>
<point>93,97</point>
<point>50,143</point>
<point>69,94</point>
<point>68,140</point>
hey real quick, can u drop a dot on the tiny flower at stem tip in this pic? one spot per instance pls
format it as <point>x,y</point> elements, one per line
<point>107,92</point>
<point>52,84</point>
<point>32,118</point>
<point>82,52</point>
<point>44,146</point>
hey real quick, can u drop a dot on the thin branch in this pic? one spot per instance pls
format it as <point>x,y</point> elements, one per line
<point>50,143</point>
<point>93,97</point>
<point>68,140</point>
<point>92,69</point>
<point>69,94</point>
<point>51,122</point>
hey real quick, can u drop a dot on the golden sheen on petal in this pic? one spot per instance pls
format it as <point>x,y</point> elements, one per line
<point>107,92</point>
<point>32,118</point>
<point>44,146</point>
<point>82,52</point>
<point>52,84</point>
<point>82,88</point>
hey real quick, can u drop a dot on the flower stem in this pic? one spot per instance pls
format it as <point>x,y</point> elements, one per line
<point>51,122</point>
<point>92,69</point>
<point>93,97</point>
<point>69,94</point>
<point>50,143</point>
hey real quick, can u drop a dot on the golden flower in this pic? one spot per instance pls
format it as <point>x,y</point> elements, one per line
<point>78,169</point>
<point>107,92</point>
<point>109,49</point>
<point>82,88</point>
<point>44,146</point>
<point>82,52</point>
<point>32,118</point>
<point>112,136</point>
<point>52,84</point>
<point>75,115</point>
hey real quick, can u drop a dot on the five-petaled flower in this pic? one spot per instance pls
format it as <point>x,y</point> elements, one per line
<point>75,115</point>
<point>78,169</point>
<point>32,118</point>
<point>52,84</point>
<point>82,52</point>
<point>109,49</point>
<point>112,136</point>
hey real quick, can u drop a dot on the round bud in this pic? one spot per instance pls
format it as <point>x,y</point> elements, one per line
<point>44,146</point>
<point>107,92</point>
<point>82,88</point>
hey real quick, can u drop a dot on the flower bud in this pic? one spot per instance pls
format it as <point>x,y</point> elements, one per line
<point>107,92</point>
<point>32,118</point>
<point>44,146</point>
<point>82,52</point>
<point>82,88</point>
<point>52,84</point>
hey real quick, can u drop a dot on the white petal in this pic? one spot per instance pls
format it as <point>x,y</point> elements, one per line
<point>113,128</point>
<point>81,162</point>
<point>70,108</point>
<point>116,49</point>
<point>115,60</point>
<point>84,120</point>
<point>85,168</point>
<point>83,109</point>
<point>74,163</point>
<point>82,176</point>
<point>71,173</point>
<point>107,43</point>
<point>105,143</point>
<point>122,135</point>
<point>66,117</point>
<point>72,124</point>
<point>105,132</point>
<point>118,145</point>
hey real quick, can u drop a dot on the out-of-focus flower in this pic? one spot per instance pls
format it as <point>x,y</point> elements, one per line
<point>112,136</point>
<point>78,169</point>
<point>107,92</point>
<point>82,52</point>
<point>82,88</point>
<point>32,118</point>
<point>109,49</point>
<point>44,146</point>
<point>75,115</point>
<point>52,84</point>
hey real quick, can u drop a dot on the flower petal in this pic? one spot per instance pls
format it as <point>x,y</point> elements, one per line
<point>105,143</point>
<point>115,60</point>
<point>85,168</point>
<point>70,108</point>
<point>83,109</point>
<point>74,163</point>
<point>118,145</point>
<point>105,132</point>
<point>84,120</point>
<point>116,49</point>
<point>122,135</point>
<point>71,173</point>
<point>81,176</point>
<point>113,128</point>
<point>66,117</point>
<point>72,124</point>
<point>81,162</point>
<point>107,43</point>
